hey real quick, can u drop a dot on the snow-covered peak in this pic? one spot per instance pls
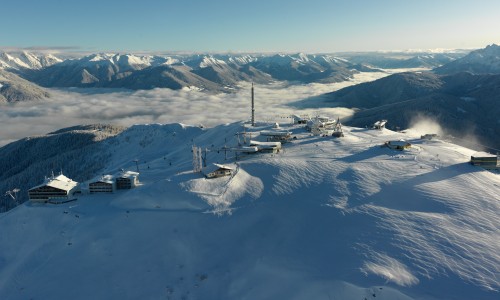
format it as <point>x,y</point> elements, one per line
<point>242,60</point>
<point>27,60</point>
<point>489,54</point>
<point>12,61</point>
<point>125,61</point>
<point>303,58</point>
<point>482,61</point>
<point>208,61</point>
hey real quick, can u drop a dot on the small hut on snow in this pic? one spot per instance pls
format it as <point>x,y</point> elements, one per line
<point>217,170</point>
<point>485,160</point>
<point>398,145</point>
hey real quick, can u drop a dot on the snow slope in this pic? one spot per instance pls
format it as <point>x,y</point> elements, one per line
<point>324,219</point>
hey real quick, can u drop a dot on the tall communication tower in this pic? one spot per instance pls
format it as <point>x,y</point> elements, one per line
<point>253,108</point>
<point>197,159</point>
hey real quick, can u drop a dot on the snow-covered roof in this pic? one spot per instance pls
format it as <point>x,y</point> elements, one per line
<point>399,143</point>
<point>275,133</point>
<point>297,117</point>
<point>483,154</point>
<point>128,174</point>
<point>265,144</point>
<point>104,178</point>
<point>59,182</point>
<point>247,149</point>
<point>380,123</point>
<point>214,167</point>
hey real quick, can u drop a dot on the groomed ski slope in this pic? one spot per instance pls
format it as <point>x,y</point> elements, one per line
<point>324,219</point>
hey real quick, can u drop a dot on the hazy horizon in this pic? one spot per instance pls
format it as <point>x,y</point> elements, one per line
<point>221,26</point>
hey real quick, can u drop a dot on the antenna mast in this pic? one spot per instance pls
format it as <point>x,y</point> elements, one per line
<point>136,164</point>
<point>253,108</point>
<point>197,159</point>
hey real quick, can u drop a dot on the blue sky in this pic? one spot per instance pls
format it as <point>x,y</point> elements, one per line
<point>249,26</point>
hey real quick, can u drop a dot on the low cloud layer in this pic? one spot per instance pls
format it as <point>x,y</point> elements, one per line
<point>87,106</point>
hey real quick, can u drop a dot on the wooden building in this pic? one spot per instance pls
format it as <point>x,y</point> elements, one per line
<point>217,170</point>
<point>127,180</point>
<point>56,189</point>
<point>105,184</point>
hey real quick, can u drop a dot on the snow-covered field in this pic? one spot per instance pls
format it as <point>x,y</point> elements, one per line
<point>323,219</point>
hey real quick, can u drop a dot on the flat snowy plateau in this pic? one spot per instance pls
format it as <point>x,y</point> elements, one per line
<point>325,218</point>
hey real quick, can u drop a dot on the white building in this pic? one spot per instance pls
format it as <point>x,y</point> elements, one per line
<point>127,180</point>
<point>319,123</point>
<point>56,189</point>
<point>104,184</point>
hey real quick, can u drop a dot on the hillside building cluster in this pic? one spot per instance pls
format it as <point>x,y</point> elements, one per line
<point>61,189</point>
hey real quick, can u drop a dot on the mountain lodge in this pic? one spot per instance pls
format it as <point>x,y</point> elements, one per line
<point>56,189</point>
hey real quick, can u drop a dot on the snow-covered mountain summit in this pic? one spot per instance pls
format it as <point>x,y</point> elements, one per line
<point>26,60</point>
<point>481,61</point>
<point>341,218</point>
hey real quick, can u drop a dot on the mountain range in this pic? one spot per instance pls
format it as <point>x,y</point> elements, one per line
<point>399,97</point>
<point>481,61</point>
<point>208,72</point>
<point>462,96</point>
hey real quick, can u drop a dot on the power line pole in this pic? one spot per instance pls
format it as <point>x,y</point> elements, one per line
<point>253,108</point>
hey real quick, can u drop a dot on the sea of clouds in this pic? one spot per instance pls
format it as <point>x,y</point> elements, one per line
<point>68,107</point>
